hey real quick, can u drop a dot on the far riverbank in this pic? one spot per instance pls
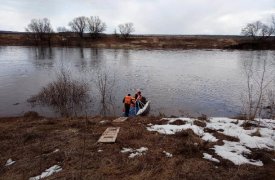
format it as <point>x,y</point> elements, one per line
<point>140,41</point>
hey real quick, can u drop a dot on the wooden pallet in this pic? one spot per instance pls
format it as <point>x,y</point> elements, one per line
<point>109,135</point>
<point>120,119</point>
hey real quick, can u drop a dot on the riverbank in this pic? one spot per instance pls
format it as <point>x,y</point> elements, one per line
<point>139,41</point>
<point>34,144</point>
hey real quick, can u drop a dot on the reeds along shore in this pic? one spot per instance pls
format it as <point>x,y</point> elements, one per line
<point>139,41</point>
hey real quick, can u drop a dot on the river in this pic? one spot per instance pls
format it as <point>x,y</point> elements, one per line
<point>177,82</point>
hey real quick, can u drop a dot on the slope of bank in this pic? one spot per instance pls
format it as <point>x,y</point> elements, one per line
<point>146,148</point>
<point>141,41</point>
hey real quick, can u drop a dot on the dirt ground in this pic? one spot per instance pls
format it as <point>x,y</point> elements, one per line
<point>31,142</point>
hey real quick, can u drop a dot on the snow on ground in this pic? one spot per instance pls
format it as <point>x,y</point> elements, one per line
<point>56,150</point>
<point>210,158</point>
<point>47,172</point>
<point>9,162</point>
<point>134,152</point>
<point>233,151</point>
<point>167,154</point>
<point>233,128</point>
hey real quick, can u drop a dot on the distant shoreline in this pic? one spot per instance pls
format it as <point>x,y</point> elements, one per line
<point>140,41</point>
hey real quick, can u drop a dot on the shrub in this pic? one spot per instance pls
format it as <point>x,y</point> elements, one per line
<point>66,95</point>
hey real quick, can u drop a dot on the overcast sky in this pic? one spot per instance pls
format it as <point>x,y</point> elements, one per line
<point>148,16</point>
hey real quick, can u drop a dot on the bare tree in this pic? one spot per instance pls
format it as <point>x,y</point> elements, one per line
<point>79,25</point>
<point>126,29</point>
<point>66,95</point>
<point>257,30</point>
<point>96,26</point>
<point>40,29</point>
<point>115,33</point>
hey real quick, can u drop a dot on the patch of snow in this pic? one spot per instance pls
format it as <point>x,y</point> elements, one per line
<point>56,150</point>
<point>134,152</point>
<point>126,150</point>
<point>47,172</point>
<point>103,121</point>
<point>100,150</point>
<point>269,123</point>
<point>235,130</point>
<point>169,155</point>
<point>142,149</point>
<point>187,120</point>
<point>172,129</point>
<point>209,157</point>
<point>150,124</point>
<point>132,155</point>
<point>9,162</point>
<point>233,151</point>
<point>209,137</point>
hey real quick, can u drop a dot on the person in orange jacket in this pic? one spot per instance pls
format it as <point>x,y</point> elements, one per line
<point>127,100</point>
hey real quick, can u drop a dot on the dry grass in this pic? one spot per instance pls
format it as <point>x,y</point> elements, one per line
<point>31,142</point>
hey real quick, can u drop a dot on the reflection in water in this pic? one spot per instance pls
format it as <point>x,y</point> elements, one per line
<point>125,57</point>
<point>43,53</point>
<point>81,53</point>
<point>44,57</point>
<point>259,74</point>
<point>96,57</point>
<point>105,86</point>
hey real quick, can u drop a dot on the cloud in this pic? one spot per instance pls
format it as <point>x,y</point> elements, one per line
<point>149,17</point>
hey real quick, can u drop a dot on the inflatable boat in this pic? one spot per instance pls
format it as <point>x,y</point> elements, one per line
<point>145,109</point>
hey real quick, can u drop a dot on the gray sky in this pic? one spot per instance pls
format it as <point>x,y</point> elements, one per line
<point>148,16</point>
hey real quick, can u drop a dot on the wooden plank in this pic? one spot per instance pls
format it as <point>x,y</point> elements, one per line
<point>120,119</point>
<point>109,135</point>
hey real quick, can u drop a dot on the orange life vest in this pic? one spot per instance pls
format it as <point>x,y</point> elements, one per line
<point>127,99</point>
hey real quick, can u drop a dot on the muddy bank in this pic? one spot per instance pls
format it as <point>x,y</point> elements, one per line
<point>139,41</point>
<point>37,143</point>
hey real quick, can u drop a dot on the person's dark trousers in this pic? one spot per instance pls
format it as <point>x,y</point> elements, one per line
<point>127,109</point>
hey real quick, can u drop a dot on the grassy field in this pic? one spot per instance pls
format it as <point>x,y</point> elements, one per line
<point>135,41</point>
<point>37,143</point>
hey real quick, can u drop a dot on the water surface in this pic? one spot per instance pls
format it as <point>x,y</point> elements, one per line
<point>178,82</point>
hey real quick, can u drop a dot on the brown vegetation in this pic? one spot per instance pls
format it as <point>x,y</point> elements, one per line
<point>140,42</point>
<point>32,144</point>
<point>66,95</point>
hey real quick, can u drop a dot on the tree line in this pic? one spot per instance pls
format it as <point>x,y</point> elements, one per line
<point>259,30</point>
<point>41,29</point>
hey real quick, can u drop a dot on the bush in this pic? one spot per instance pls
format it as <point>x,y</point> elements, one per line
<point>66,95</point>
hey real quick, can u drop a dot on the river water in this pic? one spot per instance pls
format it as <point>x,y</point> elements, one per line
<point>177,82</point>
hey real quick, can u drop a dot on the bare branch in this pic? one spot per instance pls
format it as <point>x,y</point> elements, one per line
<point>96,26</point>
<point>126,29</point>
<point>40,28</point>
<point>79,25</point>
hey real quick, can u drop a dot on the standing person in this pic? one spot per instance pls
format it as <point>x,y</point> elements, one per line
<point>138,98</point>
<point>127,103</point>
<point>138,95</point>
